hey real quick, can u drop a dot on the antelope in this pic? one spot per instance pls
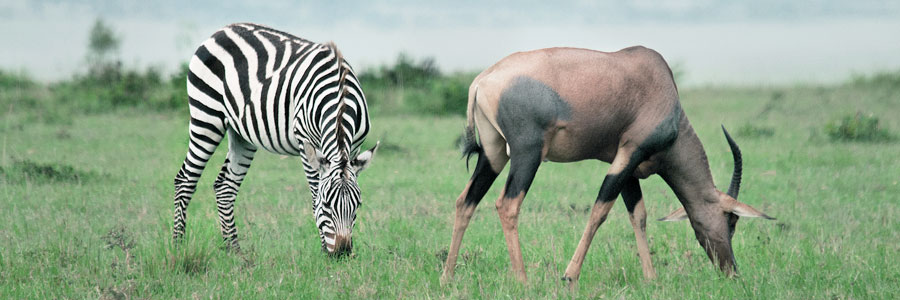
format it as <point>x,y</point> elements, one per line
<point>567,105</point>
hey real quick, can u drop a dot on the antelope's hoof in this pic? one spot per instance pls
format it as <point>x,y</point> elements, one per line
<point>446,279</point>
<point>566,278</point>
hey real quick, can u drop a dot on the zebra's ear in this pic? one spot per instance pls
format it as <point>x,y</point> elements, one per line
<point>363,160</point>
<point>312,156</point>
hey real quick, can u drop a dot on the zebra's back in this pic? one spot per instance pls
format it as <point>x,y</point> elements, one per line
<point>268,86</point>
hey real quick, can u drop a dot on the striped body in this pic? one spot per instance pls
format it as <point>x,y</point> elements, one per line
<point>269,89</point>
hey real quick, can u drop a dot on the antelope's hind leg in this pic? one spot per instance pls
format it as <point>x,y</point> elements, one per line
<point>634,202</point>
<point>466,203</point>
<point>525,158</point>
<point>491,160</point>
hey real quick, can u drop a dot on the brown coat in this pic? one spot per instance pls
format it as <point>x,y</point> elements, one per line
<point>566,105</point>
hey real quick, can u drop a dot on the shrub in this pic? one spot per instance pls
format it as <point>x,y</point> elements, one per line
<point>10,81</point>
<point>445,95</point>
<point>107,85</point>
<point>404,72</point>
<point>856,127</point>
<point>415,86</point>
<point>887,80</point>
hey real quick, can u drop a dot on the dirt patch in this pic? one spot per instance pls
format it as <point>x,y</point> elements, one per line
<point>119,238</point>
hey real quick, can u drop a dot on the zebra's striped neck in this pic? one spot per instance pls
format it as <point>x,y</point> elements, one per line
<point>329,98</point>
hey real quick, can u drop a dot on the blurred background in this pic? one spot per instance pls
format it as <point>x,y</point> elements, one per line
<point>419,57</point>
<point>736,42</point>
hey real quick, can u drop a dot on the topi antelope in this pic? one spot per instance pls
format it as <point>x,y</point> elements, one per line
<point>566,105</point>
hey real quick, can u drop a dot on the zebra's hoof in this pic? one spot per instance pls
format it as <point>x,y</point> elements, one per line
<point>232,247</point>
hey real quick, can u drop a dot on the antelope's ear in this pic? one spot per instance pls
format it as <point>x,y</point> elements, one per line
<point>362,161</point>
<point>677,215</point>
<point>731,205</point>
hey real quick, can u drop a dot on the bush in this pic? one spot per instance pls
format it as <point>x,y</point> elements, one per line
<point>411,86</point>
<point>857,127</point>
<point>116,87</point>
<point>23,100</point>
<point>11,81</point>
<point>887,80</point>
<point>107,85</point>
<point>406,71</point>
<point>446,95</point>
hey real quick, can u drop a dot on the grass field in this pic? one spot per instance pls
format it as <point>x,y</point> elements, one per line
<point>86,210</point>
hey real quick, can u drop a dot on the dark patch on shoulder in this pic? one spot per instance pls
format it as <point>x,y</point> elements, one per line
<point>665,133</point>
<point>527,107</point>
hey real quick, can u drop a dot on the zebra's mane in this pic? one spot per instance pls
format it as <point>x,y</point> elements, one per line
<point>340,132</point>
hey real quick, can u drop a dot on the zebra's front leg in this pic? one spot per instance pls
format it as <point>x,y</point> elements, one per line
<point>237,162</point>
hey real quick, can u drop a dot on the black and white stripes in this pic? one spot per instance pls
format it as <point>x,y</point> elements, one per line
<point>269,89</point>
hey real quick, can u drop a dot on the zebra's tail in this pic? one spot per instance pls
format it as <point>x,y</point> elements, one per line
<point>470,143</point>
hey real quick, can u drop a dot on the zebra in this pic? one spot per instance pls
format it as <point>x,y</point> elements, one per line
<point>265,88</point>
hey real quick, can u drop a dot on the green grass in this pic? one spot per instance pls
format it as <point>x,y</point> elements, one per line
<point>106,232</point>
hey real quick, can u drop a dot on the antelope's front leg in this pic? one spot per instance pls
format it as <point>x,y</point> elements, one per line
<point>634,202</point>
<point>621,169</point>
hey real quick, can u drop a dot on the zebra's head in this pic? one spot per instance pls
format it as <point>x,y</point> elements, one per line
<point>338,197</point>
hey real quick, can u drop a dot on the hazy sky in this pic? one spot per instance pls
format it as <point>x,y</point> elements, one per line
<point>739,41</point>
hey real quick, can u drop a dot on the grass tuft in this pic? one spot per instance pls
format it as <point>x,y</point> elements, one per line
<point>857,127</point>
<point>191,260</point>
<point>23,171</point>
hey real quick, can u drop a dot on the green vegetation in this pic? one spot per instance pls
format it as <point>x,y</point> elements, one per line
<point>411,87</point>
<point>406,87</point>
<point>107,86</point>
<point>86,200</point>
<point>857,127</point>
<point>110,236</point>
<point>26,171</point>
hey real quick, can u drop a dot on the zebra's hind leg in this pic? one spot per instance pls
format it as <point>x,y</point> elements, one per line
<point>204,138</point>
<point>237,162</point>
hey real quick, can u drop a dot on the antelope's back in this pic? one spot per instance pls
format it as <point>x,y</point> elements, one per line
<point>609,94</point>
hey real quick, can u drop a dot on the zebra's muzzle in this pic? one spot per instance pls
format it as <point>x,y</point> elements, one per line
<point>342,246</point>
